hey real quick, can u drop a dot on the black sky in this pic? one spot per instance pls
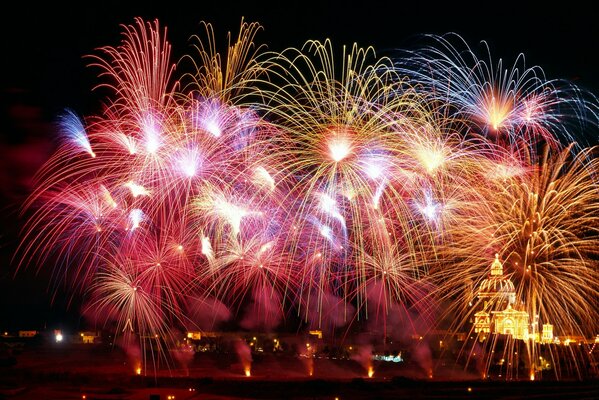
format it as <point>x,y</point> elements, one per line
<point>44,71</point>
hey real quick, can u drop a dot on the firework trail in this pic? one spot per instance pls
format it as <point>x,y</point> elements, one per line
<point>344,151</point>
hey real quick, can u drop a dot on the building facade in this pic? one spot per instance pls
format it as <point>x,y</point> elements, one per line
<point>498,309</point>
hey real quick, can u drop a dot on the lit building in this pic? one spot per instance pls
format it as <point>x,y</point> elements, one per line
<point>89,337</point>
<point>482,322</point>
<point>547,333</point>
<point>317,333</point>
<point>498,311</point>
<point>497,290</point>
<point>511,322</point>
<point>194,335</point>
<point>28,334</point>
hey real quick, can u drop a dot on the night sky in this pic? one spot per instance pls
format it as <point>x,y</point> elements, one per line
<point>44,72</point>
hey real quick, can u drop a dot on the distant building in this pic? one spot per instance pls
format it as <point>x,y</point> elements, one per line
<point>500,313</point>
<point>317,333</point>
<point>89,337</point>
<point>28,334</point>
<point>194,335</point>
<point>547,334</point>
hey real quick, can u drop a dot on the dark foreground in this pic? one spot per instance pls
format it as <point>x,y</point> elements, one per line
<point>109,375</point>
<point>399,388</point>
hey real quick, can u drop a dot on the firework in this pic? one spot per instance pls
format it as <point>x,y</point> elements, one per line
<point>543,222</point>
<point>274,185</point>
<point>507,104</point>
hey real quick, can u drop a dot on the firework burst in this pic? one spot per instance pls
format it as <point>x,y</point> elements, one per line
<point>507,104</point>
<point>275,184</point>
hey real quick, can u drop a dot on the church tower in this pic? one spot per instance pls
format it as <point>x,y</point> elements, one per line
<point>496,298</point>
<point>497,291</point>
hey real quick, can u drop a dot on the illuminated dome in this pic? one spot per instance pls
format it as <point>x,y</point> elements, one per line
<point>496,285</point>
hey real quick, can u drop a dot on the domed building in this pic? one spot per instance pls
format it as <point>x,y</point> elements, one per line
<point>497,302</point>
<point>497,288</point>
